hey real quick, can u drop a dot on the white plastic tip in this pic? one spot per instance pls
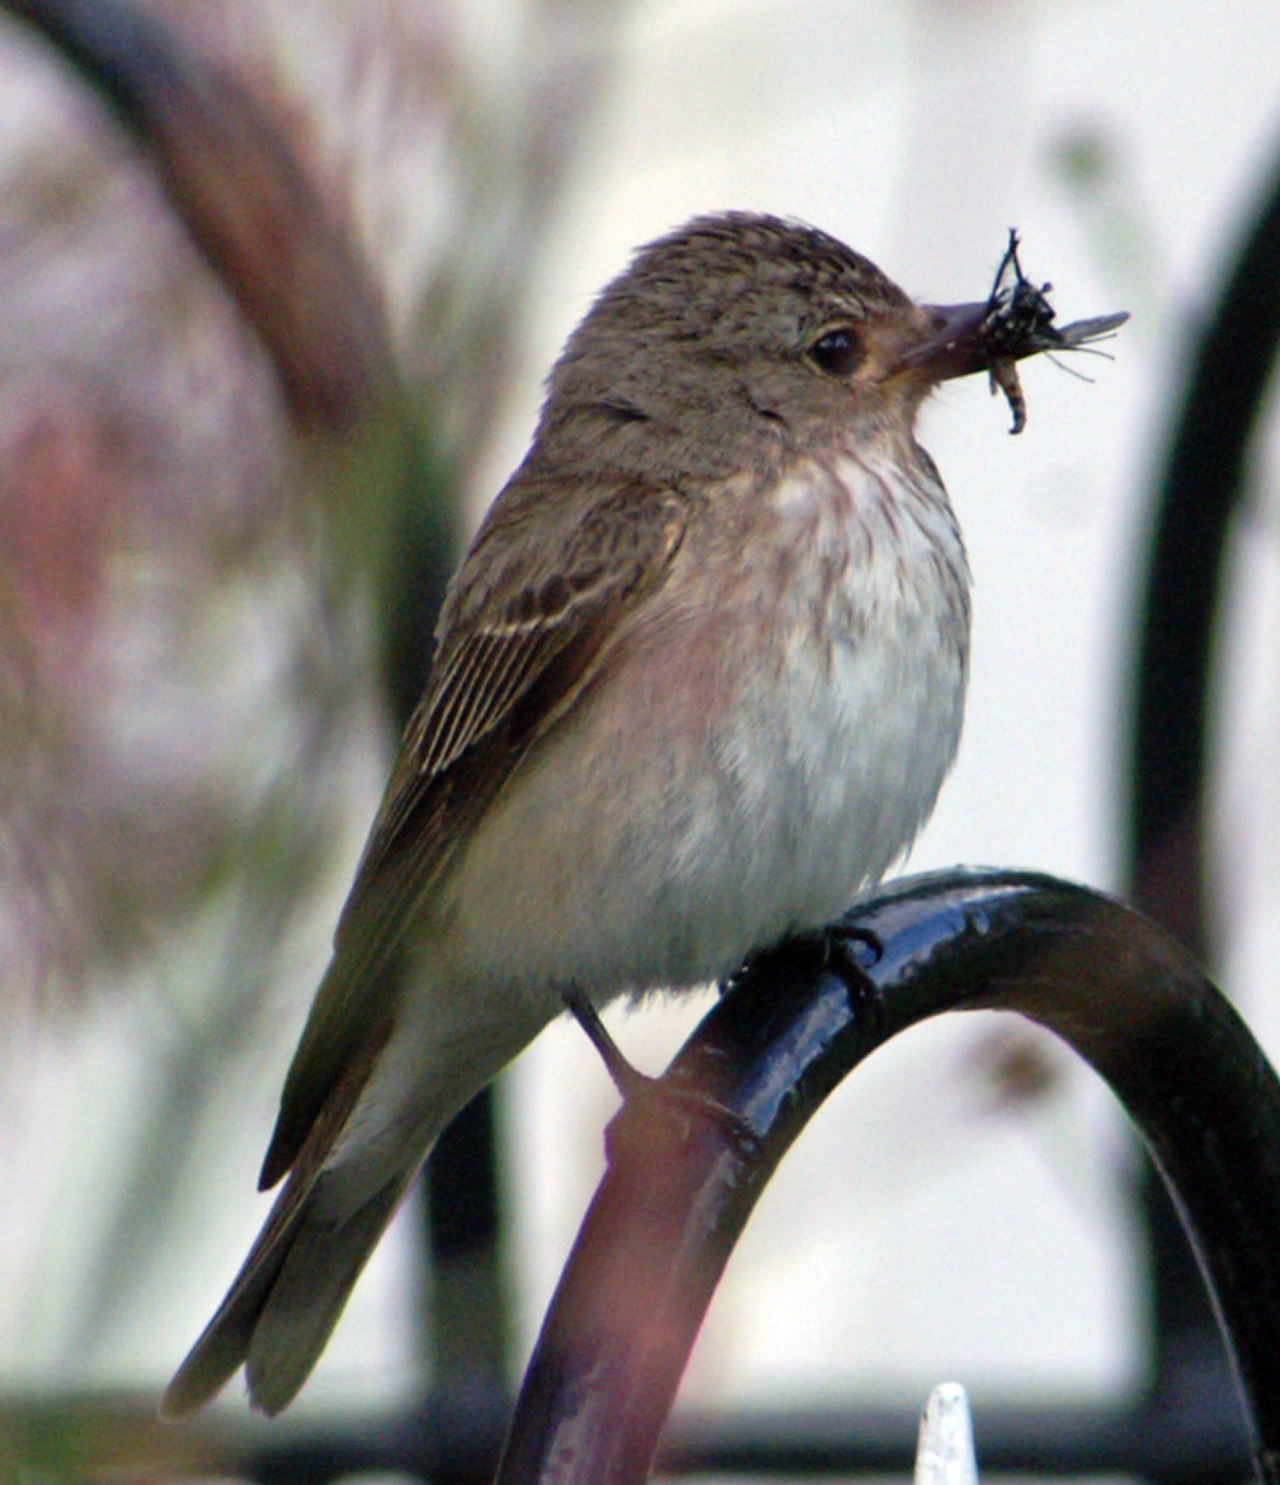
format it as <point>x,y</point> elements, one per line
<point>944,1454</point>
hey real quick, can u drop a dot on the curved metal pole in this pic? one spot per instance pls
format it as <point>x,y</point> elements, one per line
<point>682,1179</point>
<point>1203,483</point>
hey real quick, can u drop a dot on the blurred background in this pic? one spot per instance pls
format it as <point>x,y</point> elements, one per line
<point>197,558</point>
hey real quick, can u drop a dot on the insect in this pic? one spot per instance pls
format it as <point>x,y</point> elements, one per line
<point>1019,323</point>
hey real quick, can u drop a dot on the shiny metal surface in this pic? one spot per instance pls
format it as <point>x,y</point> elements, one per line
<point>686,1165</point>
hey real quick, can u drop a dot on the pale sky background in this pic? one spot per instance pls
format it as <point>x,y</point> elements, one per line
<point>914,1234</point>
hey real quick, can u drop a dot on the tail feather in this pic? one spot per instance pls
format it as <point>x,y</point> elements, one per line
<point>292,1287</point>
<point>376,1126</point>
<point>285,1301</point>
<point>308,1296</point>
<point>222,1347</point>
<point>224,1342</point>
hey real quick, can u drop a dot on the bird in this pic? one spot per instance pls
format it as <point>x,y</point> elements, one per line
<point>696,685</point>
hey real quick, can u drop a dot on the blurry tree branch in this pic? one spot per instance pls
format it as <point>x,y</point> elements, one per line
<point>245,201</point>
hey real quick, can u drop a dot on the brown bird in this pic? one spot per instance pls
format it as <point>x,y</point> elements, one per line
<point>696,685</point>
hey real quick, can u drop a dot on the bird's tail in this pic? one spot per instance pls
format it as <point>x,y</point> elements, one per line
<point>287,1297</point>
<point>347,1173</point>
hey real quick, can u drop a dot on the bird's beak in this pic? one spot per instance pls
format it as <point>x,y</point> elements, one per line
<point>948,342</point>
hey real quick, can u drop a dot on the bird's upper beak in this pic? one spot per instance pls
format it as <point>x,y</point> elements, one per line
<point>946,343</point>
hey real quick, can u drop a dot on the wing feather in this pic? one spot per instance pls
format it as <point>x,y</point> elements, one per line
<point>528,625</point>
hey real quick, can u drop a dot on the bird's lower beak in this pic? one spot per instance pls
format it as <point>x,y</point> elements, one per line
<point>949,343</point>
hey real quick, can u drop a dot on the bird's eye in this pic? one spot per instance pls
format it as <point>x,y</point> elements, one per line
<point>838,351</point>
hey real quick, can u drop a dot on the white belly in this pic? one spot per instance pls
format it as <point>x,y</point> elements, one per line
<point>660,841</point>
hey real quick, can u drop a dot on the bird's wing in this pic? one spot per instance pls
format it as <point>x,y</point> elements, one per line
<point>527,627</point>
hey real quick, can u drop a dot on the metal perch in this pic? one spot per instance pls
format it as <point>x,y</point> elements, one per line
<point>684,1177</point>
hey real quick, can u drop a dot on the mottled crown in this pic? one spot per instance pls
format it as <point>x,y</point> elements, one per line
<point>716,265</point>
<point>725,287</point>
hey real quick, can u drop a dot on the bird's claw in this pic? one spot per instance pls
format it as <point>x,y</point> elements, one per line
<point>641,1094</point>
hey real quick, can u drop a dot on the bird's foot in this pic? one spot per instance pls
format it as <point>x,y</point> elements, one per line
<point>644,1096</point>
<point>842,949</point>
<point>854,952</point>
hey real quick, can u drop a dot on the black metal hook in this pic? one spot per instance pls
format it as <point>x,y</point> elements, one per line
<point>677,1193</point>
